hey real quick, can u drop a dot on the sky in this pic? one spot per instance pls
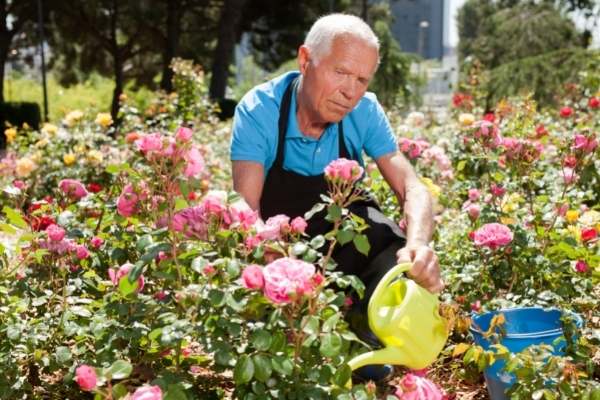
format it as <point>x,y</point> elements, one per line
<point>453,32</point>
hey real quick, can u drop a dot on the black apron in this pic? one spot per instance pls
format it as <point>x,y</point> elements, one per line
<point>292,194</point>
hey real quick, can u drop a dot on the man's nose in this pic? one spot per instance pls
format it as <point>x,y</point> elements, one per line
<point>349,88</point>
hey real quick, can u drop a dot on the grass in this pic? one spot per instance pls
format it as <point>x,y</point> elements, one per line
<point>93,95</point>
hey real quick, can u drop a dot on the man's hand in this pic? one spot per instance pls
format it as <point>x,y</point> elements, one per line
<point>425,270</point>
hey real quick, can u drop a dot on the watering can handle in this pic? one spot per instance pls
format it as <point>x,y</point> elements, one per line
<point>389,277</point>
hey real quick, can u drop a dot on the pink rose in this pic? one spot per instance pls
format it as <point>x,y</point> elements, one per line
<point>298,225</point>
<point>193,222</point>
<point>73,188</point>
<point>591,145</point>
<point>492,236</point>
<point>569,175</point>
<point>579,142</point>
<point>82,252</point>
<point>183,134</point>
<point>252,241</point>
<point>85,376</point>
<point>474,194</point>
<point>96,242</point>
<point>343,170</point>
<point>243,215</point>
<point>473,210</point>
<point>195,163</point>
<point>252,277</point>
<point>55,233</point>
<point>19,184</point>
<point>127,201</point>
<point>581,267</point>
<point>497,191</point>
<point>150,143</point>
<point>414,387</point>
<point>286,276</point>
<point>147,393</point>
<point>208,270</point>
<point>274,228</point>
<point>122,272</point>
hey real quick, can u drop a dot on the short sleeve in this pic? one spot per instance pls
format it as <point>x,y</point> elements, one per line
<point>249,141</point>
<point>380,138</point>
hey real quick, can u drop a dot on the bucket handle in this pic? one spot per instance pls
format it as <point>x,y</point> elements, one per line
<point>388,278</point>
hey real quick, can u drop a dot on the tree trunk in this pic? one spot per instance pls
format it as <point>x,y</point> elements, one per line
<point>117,63</point>
<point>365,10</point>
<point>4,48</point>
<point>172,40</point>
<point>228,27</point>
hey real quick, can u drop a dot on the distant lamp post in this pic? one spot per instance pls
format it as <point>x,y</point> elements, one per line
<point>423,25</point>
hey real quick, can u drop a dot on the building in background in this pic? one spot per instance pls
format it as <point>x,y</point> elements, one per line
<point>420,26</point>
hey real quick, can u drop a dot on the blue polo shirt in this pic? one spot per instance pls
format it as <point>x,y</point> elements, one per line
<point>255,131</point>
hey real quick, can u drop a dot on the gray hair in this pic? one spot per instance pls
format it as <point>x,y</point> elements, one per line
<point>329,27</point>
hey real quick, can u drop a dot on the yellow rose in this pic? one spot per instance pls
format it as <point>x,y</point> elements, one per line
<point>73,117</point>
<point>508,221</point>
<point>50,129</point>
<point>572,216</point>
<point>24,166</point>
<point>42,142</point>
<point>466,119</point>
<point>104,120</point>
<point>95,157</point>
<point>432,187</point>
<point>11,134</point>
<point>69,159</point>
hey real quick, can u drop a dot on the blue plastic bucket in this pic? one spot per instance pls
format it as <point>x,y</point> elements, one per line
<point>524,327</point>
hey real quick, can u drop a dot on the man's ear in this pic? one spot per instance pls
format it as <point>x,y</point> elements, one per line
<point>303,58</point>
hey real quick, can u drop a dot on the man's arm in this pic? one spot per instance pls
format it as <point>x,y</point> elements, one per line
<point>418,211</point>
<point>248,180</point>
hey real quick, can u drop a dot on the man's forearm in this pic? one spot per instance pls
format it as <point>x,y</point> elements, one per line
<point>418,212</point>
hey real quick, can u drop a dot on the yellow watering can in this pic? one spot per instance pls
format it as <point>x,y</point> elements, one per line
<point>405,318</point>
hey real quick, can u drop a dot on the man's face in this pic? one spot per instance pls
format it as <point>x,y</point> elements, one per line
<point>337,82</point>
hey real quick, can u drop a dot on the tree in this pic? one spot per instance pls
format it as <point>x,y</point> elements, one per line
<point>229,26</point>
<point>110,31</point>
<point>15,15</point>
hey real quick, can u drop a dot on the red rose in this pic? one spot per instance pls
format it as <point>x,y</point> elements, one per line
<point>570,161</point>
<point>566,112</point>
<point>540,131</point>
<point>41,223</point>
<point>588,234</point>
<point>94,187</point>
<point>489,117</point>
<point>594,102</point>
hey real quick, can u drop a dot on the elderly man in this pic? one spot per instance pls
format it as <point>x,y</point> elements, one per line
<point>287,130</point>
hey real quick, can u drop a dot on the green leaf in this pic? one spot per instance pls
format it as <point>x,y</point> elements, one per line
<point>63,354</point>
<point>331,345</point>
<point>317,242</point>
<point>282,365</point>
<point>261,339</point>
<point>135,272</point>
<point>119,391</point>
<point>362,244</point>
<point>14,217</point>
<point>342,375</point>
<point>216,297</point>
<point>461,165</point>
<point>334,213</point>
<point>125,287</point>
<point>120,369</point>
<point>175,391</point>
<point>262,367</point>
<point>345,236</point>
<point>244,370</point>
<point>7,228</point>
<point>316,208</point>
<point>311,325</point>
<point>330,323</point>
